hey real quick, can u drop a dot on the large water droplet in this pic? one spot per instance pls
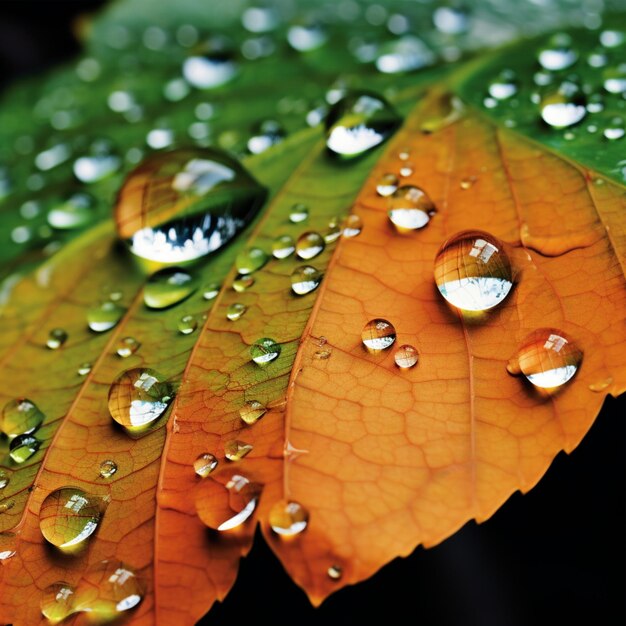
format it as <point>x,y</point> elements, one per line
<point>309,245</point>
<point>205,464</point>
<point>252,411</point>
<point>547,357</point>
<point>564,107</point>
<point>68,516</point>
<point>264,351</point>
<point>138,397</point>
<point>406,356</point>
<point>57,601</point>
<point>211,65</point>
<point>473,271</point>
<point>20,417</point>
<point>168,287</point>
<point>23,447</point>
<point>406,54</point>
<point>410,208</point>
<point>250,260</point>
<point>378,334</point>
<point>181,205</point>
<point>288,518</point>
<point>235,450</point>
<point>56,338</point>
<point>299,213</point>
<point>74,211</point>
<point>235,311</point>
<point>127,346</point>
<point>305,279</point>
<point>108,468</point>
<point>104,316</point>
<point>558,54</point>
<point>283,246</point>
<point>359,122</point>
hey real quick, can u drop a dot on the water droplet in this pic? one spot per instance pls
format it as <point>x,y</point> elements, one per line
<point>108,468</point>
<point>108,589</point>
<point>187,324</point>
<point>334,231</point>
<point>57,601</point>
<point>84,369</point>
<point>406,169</point>
<point>5,479</point>
<point>299,213</point>
<point>20,417</point>
<point>168,287</point>
<point>138,397</point>
<point>74,211</point>
<point>504,86</point>
<point>309,245</point>
<point>406,356</point>
<point>235,311</point>
<point>56,338</point>
<point>564,107</point>
<point>288,518</point>
<point>210,291</point>
<point>283,246</point>
<point>265,135</point>
<point>23,447</point>
<point>387,184</point>
<point>410,208</point>
<point>264,351</point>
<point>305,279</point>
<point>307,36</point>
<point>250,260</point>
<point>211,65</point>
<point>105,316</point>
<point>235,450</point>
<point>615,129</point>
<point>175,90</point>
<point>404,54</point>
<point>359,122</point>
<point>451,20</point>
<point>547,357</point>
<point>127,346</point>
<point>351,226</point>
<point>179,206</point>
<point>473,271</point>
<point>468,182</point>
<point>601,385</point>
<point>260,19</point>
<point>160,138</point>
<point>252,411</point>
<point>205,464</point>
<point>612,38</point>
<point>229,507</point>
<point>243,283</point>
<point>558,54</point>
<point>68,516</point>
<point>335,572</point>
<point>100,162</point>
<point>378,334</point>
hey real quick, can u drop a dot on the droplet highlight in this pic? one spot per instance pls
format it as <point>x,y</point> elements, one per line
<point>23,447</point>
<point>309,245</point>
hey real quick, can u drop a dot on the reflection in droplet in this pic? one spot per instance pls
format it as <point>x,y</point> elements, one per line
<point>410,208</point>
<point>305,279</point>
<point>56,338</point>
<point>406,356</point>
<point>251,260</point>
<point>473,271</point>
<point>23,447</point>
<point>205,464</point>
<point>235,311</point>
<point>309,245</point>
<point>168,287</point>
<point>20,417</point>
<point>387,184</point>
<point>252,411</point>
<point>235,450</point>
<point>108,468</point>
<point>299,213</point>
<point>68,516</point>
<point>57,601</point>
<point>264,351</point>
<point>187,324</point>
<point>378,334</point>
<point>127,346</point>
<point>288,518</point>
<point>283,246</point>
<point>105,316</point>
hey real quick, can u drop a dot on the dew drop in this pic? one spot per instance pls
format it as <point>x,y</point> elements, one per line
<point>468,182</point>
<point>187,324</point>
<point>23,447</point>
<point>210,291</point>
<point>334,572</point>
<point>288,518</point>
<point>264,351</point>
<point>235,450</point>
<point>20,417</point>
<point>504,86</point>
<point>204,464</point>
<point>211,65</point>
<point>309,245</point>
<point>378,334</point>
<point>564,107</point>
<point>615,129</point>
<point>74,211</point>
<point>334,231</point>
<point>410,208</point>
<point>243,283</point>
<point>351,226</point>
<point>265,135</point>
<point>473,271</point>
<point>56,338</point>
<point>558,54</point>
<point>251,260</point>
<point>105,316</point>
<point>406,169</point>
<point>305,279</point>
<point>229,506</point>
<point>138,397</point>
<point>127,346</point>
<point>235,311</point>
<point>68,516</point>
<point>307,36</point>
<point>387,184</point>
<point>283,246</point>
<point>252,411</point>
<point>108,468</point>
<point>406,356</point>
<point>84,369</point>
<point>168,287</point>
<point>5,479</point>
<point>57,602</point>
<point>547,357</point>
<point>359,122</point>
<point>100,162</point>
<point>179,206</point>
<point>299,213</point>
<point>601,385</point>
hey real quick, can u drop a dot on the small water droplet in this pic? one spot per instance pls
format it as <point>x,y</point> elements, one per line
<point>100,162</point>
<point>20,417</point>
<point>243,283</point>
<point>108,468</point>
<point>105,316</point>
<point>404,54</point>
<point>252,411</point>
<point>351,226</point>
<point>56,338</point>
<point>73,211</point>
<point>187,324</point>
<point>406,169</point>
<point>601,385</point>
<point>57,601</point>
<point>205,464</point>
<point>299,213</point>
<point>451,20</point>
<point>335,572</point>
<point>359,122</point>
<point>309,245</point>
<point>305,279</point>
<point>168,287</point>
<point>615,129</point>
<point>387,184</point>
<point>211,65</point>
<point>210,291</point>
<point>410,208</point>
<point>558,54</point>
<point>68,516</point>
<point>251,260</point>
<point>283,246</point>
<point>406,356</point>
<point>127,346</point>
<point>84,369</point>
<point>468,182</point>
<point>307,36</point>
<point>23,447</point>
<point>138,397</point>
<point>473,271</point>
<point>334,231</point>
<point>265,135</point>
<point>504,86</point>
<point>235,450</point>
<point>235,311</point>
<point>547,357</point>
<point>264,351</point>
<point>564,107</point>
<point>288,518</point>
<point>5,479</point>
<point>378,334</point>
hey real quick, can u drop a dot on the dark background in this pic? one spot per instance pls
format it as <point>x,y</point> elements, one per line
<point>554,556</point>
